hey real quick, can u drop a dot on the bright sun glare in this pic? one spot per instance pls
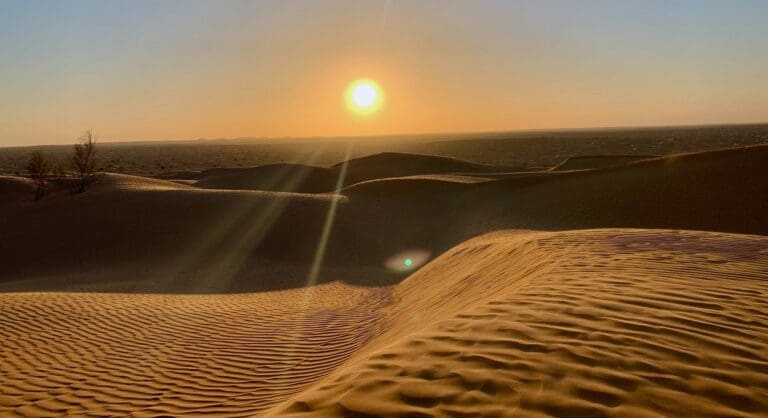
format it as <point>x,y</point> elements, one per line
<point>364,96</point>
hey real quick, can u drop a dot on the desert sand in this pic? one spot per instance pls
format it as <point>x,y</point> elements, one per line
<point>425,286</point>
<point>612,322</point>
<point>153,355</point>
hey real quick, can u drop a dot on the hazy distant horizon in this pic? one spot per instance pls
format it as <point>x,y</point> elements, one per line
<point>397,136</point>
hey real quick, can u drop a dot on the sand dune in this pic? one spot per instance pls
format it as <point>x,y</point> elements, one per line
<point>155,355</point>
<point>590,323</point>
<point>13,189</point>
<point>716,190</point>
<point>178,237</point>
<point>588,162</point>
<point>300,178</point>
<point>602,323</point>
<point>639,323</point>
<point>178,175</point>
<point>524,150</point>
<point>154,235</point>
<point>398,164</point>
<point>305,178</point>
<point>115,183</point>
<point>401,187</point>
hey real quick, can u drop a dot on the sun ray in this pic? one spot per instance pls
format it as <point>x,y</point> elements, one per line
<point>235,235</point>
<point>327,226</point>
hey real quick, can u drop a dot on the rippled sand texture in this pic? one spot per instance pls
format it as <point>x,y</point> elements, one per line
<point>602,323</point>
<point>593,323</point>
<point>168,355</point>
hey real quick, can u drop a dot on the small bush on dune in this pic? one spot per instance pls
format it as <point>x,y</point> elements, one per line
<point>84,159</point>
<point>38,169</point>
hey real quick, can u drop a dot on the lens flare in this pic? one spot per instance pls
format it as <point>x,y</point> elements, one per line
<point>364,96</point>
<point>407,260</point>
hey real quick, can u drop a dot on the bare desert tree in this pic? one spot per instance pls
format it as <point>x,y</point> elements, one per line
<point>38,168</point>
<point>85,159</point>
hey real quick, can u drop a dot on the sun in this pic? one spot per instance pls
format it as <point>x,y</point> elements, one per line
<point>364,96</point>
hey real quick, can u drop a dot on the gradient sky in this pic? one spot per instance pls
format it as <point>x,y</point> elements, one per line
<point>191,69</point>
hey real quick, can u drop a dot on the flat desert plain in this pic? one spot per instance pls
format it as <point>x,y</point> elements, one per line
<point>632,283</point>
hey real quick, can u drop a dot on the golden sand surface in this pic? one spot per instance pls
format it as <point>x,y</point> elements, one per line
<point>592,323</point>
<point>101,354</point>
<point>599,323</point>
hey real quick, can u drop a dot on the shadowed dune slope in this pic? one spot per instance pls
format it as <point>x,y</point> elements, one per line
<point>719,190</point>
<point>397,164</point>
<point>13,189</point>
<point>191,175</point>
<point>300,178</point>
<point>157,235</point>
<point>588,162</point>
<point>403,187</point>
<point>304,178</point>
<point>592,323</point>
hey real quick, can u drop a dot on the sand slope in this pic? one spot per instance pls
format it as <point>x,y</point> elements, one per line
<point>718,190</point>
<point>152,235</point>
<point>590,323</point>
<point>601,323</point>
<point>307,178</point>
<point>300,178</point>
<point>154,355</point>
<point>157,235</point>
<point>588,162</point>
<point>398,164</point>
<point>14,189</point>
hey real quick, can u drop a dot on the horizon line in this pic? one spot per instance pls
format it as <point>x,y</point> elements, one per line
<point>452,135</point>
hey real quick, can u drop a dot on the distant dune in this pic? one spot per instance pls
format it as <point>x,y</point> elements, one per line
<point>531,150</point>
<point>303,178</point>
<point>587,162</point>
<point>716,190</point>
<point>395,164</point>
<point>125,221</point>
<point>426,286</point>
<point>300,178</point>
<point>402,187</point>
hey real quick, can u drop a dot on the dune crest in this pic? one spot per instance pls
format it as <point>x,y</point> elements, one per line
<point>590,162</point>
<point>600,323</point>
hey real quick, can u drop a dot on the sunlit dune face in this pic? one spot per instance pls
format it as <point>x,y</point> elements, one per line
<point>364,96</point>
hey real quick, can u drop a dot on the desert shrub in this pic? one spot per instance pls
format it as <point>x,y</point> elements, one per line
<point>84,159</point>
<point>38,169</point>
